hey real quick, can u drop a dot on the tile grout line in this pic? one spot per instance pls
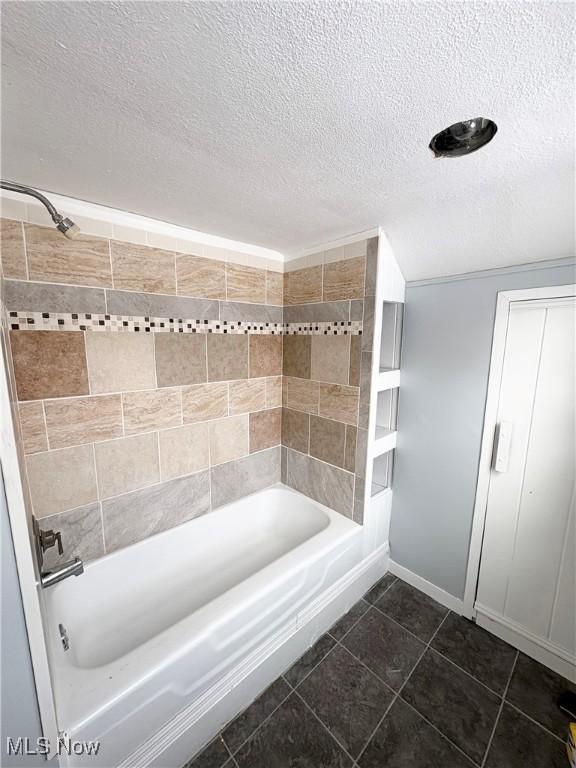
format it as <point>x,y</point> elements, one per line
<point>398,696</point>
<point>532,720</point>
<point>501,707</point>
<point>111,286</point>
<point>399,691</point>
<point>231,756</point>
<point>152,485</point>
<point>25,245</point>
<point>292,687</point>
<point>262,722</point>
<point>442,735</point>
<point>453,663</point>
<point>325,727</point>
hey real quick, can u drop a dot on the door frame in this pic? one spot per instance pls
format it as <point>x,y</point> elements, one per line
<point>25,560</point>
<point>504,299</point>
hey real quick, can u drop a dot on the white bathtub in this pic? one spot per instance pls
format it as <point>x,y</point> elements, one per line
<point>152,628</point>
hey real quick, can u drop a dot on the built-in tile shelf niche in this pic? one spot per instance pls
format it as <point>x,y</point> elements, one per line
<point>382,472</point>
<point>391,336</point>
<point>388,382</point>
<point>386,413</point>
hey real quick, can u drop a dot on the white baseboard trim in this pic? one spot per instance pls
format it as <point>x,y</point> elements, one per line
<point>538,648</point>
<point>197,724</point>
<point>418,582</point>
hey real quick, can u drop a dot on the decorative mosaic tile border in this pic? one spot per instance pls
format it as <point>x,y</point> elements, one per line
<point>72,321</point>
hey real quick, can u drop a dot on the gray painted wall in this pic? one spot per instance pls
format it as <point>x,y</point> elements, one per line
<point>446,349</point>
<point>20,716</point>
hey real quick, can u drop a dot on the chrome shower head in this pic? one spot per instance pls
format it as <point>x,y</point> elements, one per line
<point>68,228</point>
<point>63,224</point>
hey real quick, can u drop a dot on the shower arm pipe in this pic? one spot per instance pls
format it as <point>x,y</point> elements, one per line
<point>65,225</point>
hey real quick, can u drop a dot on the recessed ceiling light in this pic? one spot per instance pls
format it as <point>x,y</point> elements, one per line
<point>463,138</point>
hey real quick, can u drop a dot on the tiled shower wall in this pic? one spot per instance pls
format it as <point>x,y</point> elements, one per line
<point>130,428</point>
<point>326,390</point>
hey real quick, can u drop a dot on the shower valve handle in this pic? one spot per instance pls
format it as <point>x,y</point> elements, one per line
<point>49,539</point>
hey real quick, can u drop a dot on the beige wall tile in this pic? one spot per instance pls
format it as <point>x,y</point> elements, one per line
<point>180,358</point>
<point>228,439</point>
<point>303,286</point>
<point>245,283</point>
<point>301,394</point>
<point>62,479</point>
<point>295,429</point>
<point>330,358</point>
<point>274,288</point>
<point>120,232</point>
<point>10,208</point>
<point>247,395</point>
<point>344,279</point>
<point>83,420</point>
<point>197,276</point>
<point>265,355</point>
<point>265,429</point>
<point>140,268</point>
<point>33,427</point>
<point>12,254</point>
<point>274,392</point>
<point>184,450</point>
<point>120,362</point>
<point>127,464</point>
<point>339,402</point>
<point>349,251</point>
<point>297,352</point>
<point>327,438</point>
<point>227,357</point>
<point>49,364</point>
<point>154,409</point>
<point>203,402</point>
<point>53,258</point>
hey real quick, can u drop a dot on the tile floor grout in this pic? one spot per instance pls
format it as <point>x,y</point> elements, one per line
<point>292,687</point>
<point>397,695</point>
<point>428,645</point>
<point>532,720</point>
<point>259,726</point>
<point>338,642</point>
<point>323,724</point>
<point>500,710</point>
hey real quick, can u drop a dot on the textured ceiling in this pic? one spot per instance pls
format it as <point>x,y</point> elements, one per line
<point>289,124</point>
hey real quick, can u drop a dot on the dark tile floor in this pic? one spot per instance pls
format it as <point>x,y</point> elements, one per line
<point>401,682</point>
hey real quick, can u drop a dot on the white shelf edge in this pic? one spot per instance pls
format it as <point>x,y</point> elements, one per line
<point>380,493</point>
<point>388,379</point>
<point>385,442</point>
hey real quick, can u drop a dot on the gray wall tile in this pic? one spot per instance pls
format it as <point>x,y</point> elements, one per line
<point>326,484</point>
<point>321,312</point>
<point>356,309</point>
<point>81,530</point>
<point>159,305</point>
<point>137,515</point>
<point>236,479</point>
<point>368,325</point>
<point>365,383</point>
<point>46,297</point>
<point>262,313</point>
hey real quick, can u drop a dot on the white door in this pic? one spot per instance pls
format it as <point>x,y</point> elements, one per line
<point>527,580</point>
